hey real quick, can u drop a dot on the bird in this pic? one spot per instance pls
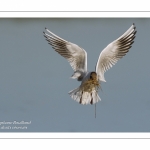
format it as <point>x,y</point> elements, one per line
<point>87,92</point>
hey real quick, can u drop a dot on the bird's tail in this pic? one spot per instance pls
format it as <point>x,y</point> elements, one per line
<point>83,97</point>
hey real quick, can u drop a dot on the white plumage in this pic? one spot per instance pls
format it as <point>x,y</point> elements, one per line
<point>87,92</point>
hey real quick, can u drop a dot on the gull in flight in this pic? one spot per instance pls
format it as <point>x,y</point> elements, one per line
<point>87,92</point>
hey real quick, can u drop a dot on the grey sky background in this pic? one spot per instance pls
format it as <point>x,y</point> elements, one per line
<point>35,80</point>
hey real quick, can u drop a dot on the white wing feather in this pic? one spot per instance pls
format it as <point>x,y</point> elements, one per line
<point>76,56</point>
<point>115,51</point>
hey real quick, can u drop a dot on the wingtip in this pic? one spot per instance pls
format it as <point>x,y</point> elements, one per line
<point>134,25</point>
<point>45,28</point>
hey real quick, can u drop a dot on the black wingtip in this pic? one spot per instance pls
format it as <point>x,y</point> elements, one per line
<point>43,32</point>
<point>134,26</point>
<point>45,28</point>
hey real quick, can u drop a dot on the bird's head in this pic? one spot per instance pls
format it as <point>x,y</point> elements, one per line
<point>93,76</point>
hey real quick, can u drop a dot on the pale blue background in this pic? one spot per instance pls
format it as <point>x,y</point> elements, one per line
<point>35,80</point>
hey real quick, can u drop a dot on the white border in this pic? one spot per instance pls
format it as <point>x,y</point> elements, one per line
<point>74,5</point>
<point>63,135</point>
<point>81,14</point>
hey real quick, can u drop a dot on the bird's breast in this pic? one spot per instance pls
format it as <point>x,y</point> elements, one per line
<point>90,84</point>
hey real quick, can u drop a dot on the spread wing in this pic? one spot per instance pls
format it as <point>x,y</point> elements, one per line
<point>115,51</point>
<point>76,56</point>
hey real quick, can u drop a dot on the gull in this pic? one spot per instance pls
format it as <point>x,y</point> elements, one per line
<point>87,92</point>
